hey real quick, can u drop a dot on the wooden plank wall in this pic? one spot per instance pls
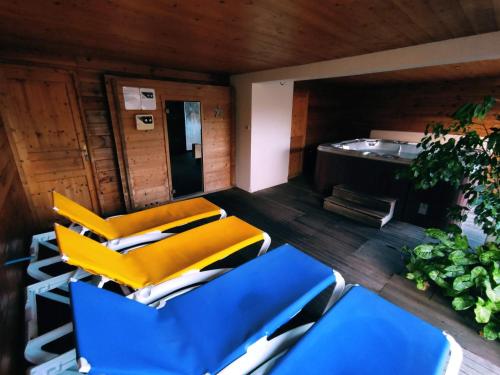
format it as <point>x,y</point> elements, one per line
<point>15,227</point>
<point>410,107</point>
<point>341,111</point>
<point>145,152</point>
<point>321,109</point>
<point>100,140</point>
<point>91,90</point>
<point>298,133</point>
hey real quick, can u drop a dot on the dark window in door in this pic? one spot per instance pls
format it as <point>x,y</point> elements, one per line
<point>184,139</point>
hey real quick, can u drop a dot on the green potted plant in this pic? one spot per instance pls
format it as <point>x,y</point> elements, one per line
<point>471,164</point>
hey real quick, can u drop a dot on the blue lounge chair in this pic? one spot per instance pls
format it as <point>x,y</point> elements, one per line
<point>204,330</point>
<point>365,334</point>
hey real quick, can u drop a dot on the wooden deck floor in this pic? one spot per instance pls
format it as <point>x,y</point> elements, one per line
<point>292,213</point>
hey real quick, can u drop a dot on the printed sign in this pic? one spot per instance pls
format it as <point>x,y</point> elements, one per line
<point>148,99</point>
<point>132,97</point>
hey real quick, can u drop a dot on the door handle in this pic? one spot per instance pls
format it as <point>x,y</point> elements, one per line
<point>85,152</point>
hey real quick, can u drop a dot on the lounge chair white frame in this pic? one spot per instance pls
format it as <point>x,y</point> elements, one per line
<point>156,296</point>
<point>46,283</point>
<point>268,352</point>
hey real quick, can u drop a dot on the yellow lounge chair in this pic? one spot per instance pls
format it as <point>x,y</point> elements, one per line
<point>138,227</point>
<point>161,268</point>
<point>158,271</point>
<point>123,231</point>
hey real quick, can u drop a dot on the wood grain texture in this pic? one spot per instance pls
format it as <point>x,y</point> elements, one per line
<point>349,107</point>
<point>236,36</point>
<point>448,72</point>
<point>46,133</point>
<point>15,227</point>
<point>411,106</point>
<point>91,91</point>
<point>298,132</point>
<point>145,153</point>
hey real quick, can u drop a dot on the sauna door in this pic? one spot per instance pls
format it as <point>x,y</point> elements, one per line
<point>40,109</point>
<point>185,147</point>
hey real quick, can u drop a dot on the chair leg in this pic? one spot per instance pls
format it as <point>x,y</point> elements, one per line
<point>64,364</point>
<point>337,293</point>
<point>44,288</point>
<point>42,239</point>
<point>34,268</point>
<point>456,356</point>
<point>265,244</point>
<point>34,352</point>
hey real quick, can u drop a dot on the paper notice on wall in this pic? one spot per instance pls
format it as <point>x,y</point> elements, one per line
<point>132,97</point>
<point>148,99</point>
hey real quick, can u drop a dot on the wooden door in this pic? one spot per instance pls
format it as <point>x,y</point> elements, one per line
<point>298,133</point>
<point>42,118</point>
<point>144,152</point>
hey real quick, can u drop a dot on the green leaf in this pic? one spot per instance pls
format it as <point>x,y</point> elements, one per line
<point>462,283</point>
<point>492,294</point>
<point>437,277</point>
<point>454,271</point>
<point>483,313</point>
<point>424,251</point>
<point>478,272</point>
<point>454,229</point>
<point>495,274</point>
<point>410,276</point>
<point>438,234</point>
<point>422,284</point>
<point>463,302</point>
<point>491,331</point>
<point>489,256</point>
<point>491,246</point>
<point>460,258</point>
<point>461,242</point>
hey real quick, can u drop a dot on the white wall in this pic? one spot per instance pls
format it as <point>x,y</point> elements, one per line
<point>248,118</point>
<point>270,140</point>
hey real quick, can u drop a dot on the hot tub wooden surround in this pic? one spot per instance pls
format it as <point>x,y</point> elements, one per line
<point>365,208</point>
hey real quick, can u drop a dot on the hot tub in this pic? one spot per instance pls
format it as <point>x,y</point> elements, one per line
<point>370,165</point>
<point>379,149</point>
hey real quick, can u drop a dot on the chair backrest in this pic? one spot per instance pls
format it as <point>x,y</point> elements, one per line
<point>81,215</point>
<point>93,257</point>
<point>364,333</point>
<point>207,328</point>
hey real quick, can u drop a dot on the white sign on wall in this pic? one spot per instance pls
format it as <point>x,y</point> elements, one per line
<point>132,97</point>
<point>148,99</point>
<point>139,98</point>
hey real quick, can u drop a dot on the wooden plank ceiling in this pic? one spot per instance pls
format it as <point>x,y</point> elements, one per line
<point>450,72</point>
<point>235,36</point>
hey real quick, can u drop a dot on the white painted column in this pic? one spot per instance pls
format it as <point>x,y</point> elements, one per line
<point>271,116</point>
<point>243,136</point>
